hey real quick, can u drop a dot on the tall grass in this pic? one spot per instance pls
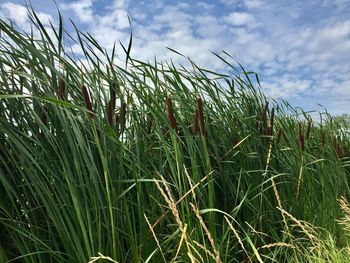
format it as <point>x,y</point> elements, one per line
<point>153,162</point>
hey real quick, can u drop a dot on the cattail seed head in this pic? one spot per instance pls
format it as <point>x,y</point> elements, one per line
<point>263,113</point>
<point>201,118</point>
<point>279,135</point>
<point>268,133</point>
<point>323,137</point>
<point>272,116</point>
<point>301,137</point>
<point>195,125</point>
<point>110,112</point>
<point>308,131</point>
<point>62,90</point>
<point>87,100</point>
<point>43,116</point>
<point>171,117</point>
<point>123,116</point>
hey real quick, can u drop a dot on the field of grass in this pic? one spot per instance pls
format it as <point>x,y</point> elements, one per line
<point>152,162</point>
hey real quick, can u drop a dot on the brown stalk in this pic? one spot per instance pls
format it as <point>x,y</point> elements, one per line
<point>171,117</point>
<point>62,90</point>
<point>201,118</point>
<point>87,100</point>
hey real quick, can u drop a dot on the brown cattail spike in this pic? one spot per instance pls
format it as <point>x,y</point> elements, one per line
<point>171,117</point>
<point>110,112</point>
<point>279,135</point>
<point>201,118</point>
<point>262,118</point>
<point>62,90</point>
<point>301,137</point>
<point>43,116</point>
<point>113,97</point>
<point>263,113</point>
<point>123,116</point>
<point>87,101</point>
<point>195,125</point>
<point>149,122</point>
<point>272,116</point>
<point>308,131</point>
<point>323,137</point>
<point>268,133</point>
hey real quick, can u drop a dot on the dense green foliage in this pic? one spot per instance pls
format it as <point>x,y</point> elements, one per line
<point>151,162</point>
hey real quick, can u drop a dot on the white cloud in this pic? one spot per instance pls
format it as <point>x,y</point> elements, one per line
<point>82,9</point>
<point>239,19</point>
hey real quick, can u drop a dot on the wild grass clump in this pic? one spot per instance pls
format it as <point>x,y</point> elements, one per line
<point>152,162</point>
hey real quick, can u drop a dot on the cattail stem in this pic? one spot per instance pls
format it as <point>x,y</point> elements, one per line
<point>87,101</point>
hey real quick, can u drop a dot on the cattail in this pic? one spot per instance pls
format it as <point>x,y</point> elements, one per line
<point>301,137</point>
<point>323,137</point>
<point>308,131</point>
<point>62,90</point>
<point>279,135</point>
<point>263,113</point>
<point>262,118</point>
<point>149,122</point>
<point>123,116</point>
<point>87,101</point>
<point>201,118</point>
<point>171,117</point>
<point>268,134</point>
<point>113,96</point>
<point>338,150</point>
<point>110,112</point>
<point>116,120</point>
<point>272,116</point>
<point>43,116</point>
<point>302,142</point>
<point>195,125</point>
<point>111,104</point>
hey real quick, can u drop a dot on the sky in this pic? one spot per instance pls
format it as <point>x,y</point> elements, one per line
<point>299,48</point>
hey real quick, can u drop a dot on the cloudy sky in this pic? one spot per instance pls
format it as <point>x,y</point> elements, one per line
<point>300,49</point>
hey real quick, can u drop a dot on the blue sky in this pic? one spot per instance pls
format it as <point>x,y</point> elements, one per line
<point>300,49</point>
